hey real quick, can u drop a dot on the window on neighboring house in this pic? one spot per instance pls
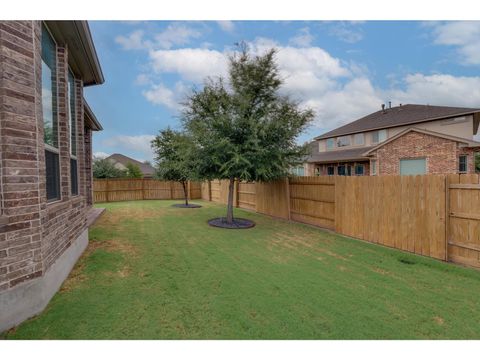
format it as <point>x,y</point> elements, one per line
<point>341,170</point>
<point>298,171</point>
<point>373,165</point>
<point>359,170</point>
<point>343,141</point>
<point>330,170</point>
<point>379,136</point>
<point>413,166</point>
<point>477,162</point>
<point>50,121</point>
<point>73,134</point>
<point>462,164</point>
<point>359,139</point>
<point>330,144</point>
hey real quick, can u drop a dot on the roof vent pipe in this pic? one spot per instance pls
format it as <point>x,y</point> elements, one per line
<point>389,104</point>
<point>383,108</point>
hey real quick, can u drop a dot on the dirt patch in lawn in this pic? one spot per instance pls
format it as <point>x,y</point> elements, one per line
<point>305,243</point>
<point>77,276</point>
<point>119,216</point>
<point>438,320</point>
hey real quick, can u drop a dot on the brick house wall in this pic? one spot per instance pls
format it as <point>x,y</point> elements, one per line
<point>441,154</point>
<point>34,233</point>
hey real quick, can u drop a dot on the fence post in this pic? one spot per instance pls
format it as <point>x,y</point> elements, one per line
<point>287,190</point>
<point>447,214</point>
<point>143,189</point>
<point>107,188</point>
<point>209,190</point>
<point>171,190</point>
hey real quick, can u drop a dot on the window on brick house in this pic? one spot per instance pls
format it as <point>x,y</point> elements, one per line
<point>330,170</point>
<point>379,136</point>
<point>50,121</point>
<point>462,164</point>
<point>373,166</point>
<point>330,144</point>
<point>73,135</point>
<point>343,141</point>
<point>359,170</point>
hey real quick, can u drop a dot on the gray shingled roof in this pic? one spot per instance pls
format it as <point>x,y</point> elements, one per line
<point>355,154</point>
<point>146,169</point>
<point>396,116</point>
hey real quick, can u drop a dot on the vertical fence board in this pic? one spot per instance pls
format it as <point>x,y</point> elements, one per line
<point>271,199</point>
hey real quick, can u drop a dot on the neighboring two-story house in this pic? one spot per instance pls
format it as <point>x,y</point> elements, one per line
<point>45,159</point>
<point>402,140</point>
<point>121,161</point>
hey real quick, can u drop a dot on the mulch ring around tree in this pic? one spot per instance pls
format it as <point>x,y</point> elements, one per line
<point>189,206</point>
<point>238,223</point>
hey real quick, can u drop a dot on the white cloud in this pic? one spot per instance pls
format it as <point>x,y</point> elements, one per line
<point>344,104</point>
<point>176,34</point>
<point>346,31</point>
<point>192,64</point>
<point>303,39</point>
<point>142,79</point>
<point>100,155</point>
<point>464,35</point>
<point>226,25</point>
<point>438,89</point>
<point>159,94</point>
<point>134,41</point>
<point>136,143</point>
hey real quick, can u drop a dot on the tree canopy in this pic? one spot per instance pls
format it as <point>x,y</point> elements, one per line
<point>176,157</point>
<point>105,169</point>
<point>133,171</point>
<point>245,128</point>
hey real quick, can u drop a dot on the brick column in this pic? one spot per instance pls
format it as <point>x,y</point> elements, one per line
<point>20,241</point>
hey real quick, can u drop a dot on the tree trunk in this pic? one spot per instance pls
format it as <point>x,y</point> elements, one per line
<point>230,201</point>
<point>185,194</point>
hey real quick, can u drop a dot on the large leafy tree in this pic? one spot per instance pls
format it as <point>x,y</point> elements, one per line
<point>105,169</point>
<point>245,128</point>
<point>133,171</point>
<point>176,158</point>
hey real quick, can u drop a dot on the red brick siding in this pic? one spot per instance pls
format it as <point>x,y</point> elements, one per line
<point>36,233</point>
<point>20,237</point>
<point>441,154</point>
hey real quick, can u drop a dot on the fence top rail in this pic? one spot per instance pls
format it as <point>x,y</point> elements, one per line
<point>464,186</point>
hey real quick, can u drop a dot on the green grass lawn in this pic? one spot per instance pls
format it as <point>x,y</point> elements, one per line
<point>156,272</point>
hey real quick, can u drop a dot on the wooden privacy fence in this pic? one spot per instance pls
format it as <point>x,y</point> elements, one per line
<point>108,190</point>
<point>431,215</point>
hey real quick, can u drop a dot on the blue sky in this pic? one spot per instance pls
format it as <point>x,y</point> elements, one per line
<point>343,70</point>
